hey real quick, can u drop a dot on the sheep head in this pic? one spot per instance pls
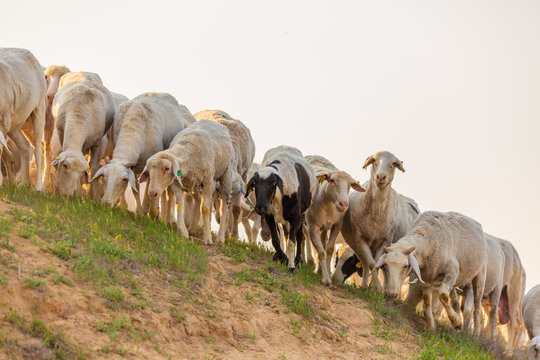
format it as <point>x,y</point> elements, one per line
<point>161,170</point>
<point>116,178</point>
<point>70,166</point>
<point>383,165</point>
<point>399,265</point>
<point>264,182</point>
<point>336,185</point>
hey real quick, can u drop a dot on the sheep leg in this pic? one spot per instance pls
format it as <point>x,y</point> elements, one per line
<point>256,228</point>
<point>468,304</point>
<point>427,295</point>
<point>188,208</point>
<point>315,236</point>
<point>494,307</point>
<point>478,284</point>
<point>24,155</point>
<point>195,214</point>
<point>270,222</point>
<point>331,245</point>
<point>139,207</point>
<point>444,295</point>
<point>180,224</point>
<point>96,153</point>
<point>414,296</point>
<point>297,238</point>
<point>48,133</point>
<point>38,122</point>
<point>236,211</point>
<point>247,229</point>
<point>362,250</point>
<point>206,211</point>
<point>215,205</point>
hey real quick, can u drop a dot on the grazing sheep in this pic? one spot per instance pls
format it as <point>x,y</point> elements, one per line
<point>84,111</point>
<point>513,290</point>
<point>283,189</point>
<point>22,98</point>
<point>531,318</point>
<point>492,288</point>
<point>444,251</point>
<point>247,211</point>
<point>378,217</point>
<point>147,124</point>
<point>328,206</point>
<point>244,153</point>
<point>196,158</point>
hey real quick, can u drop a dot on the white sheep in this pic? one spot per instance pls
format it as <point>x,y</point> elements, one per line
<point>531,318</point>
<point>513,291</point>
<point>22,98</point>
<point>84,111</point>
<point>196,158</point>
<point>377,217</point>
<point>244,153</point>
<point>328,206</point>
<point>443,251</point>
<point>146,125</point>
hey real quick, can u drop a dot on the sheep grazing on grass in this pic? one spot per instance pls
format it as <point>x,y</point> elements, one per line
<point>443,251</point>
<point>146,125</point>
<point>283,190</point>
<point>244,153</point>
<point>328,206</point>
<point>22,98</point>
<point>196,158</point>
<point>531,318</point>
<point>377,217</point>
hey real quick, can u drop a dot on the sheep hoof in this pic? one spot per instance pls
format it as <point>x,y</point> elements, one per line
<point>280,258</point>
<point>291,270</point>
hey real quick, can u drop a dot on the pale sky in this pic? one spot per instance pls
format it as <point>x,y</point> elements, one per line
<point>452,88</point>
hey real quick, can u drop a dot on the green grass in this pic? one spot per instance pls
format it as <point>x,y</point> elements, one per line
<point>449,344</point>
<point>32,283</point>
<point>54,338</point>
<point>114,297</point>
<point>103,245</point>
<point>61,279</point>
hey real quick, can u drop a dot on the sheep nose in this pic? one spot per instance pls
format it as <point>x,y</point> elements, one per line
<point>344,204</point>
<point>381,177</point>
<point>50,97</point>
<point>152,194</point>
<point>393,295</point>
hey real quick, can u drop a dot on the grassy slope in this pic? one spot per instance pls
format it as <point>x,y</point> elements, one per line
<point>115,252</point>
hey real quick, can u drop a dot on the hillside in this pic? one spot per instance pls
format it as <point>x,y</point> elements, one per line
<point>81,281</point>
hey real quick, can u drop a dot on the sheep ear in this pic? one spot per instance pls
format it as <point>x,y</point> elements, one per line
<point>144,175</point>
<point>386,250</point>
<point>4,142</point>
<point>415,268</point>
<point>399,165</point>
<point>370,160</point>
<point>249,186</point>
<point>356,186</point>
<point>98,173</point>
<point>280,185</point>
<point>177,173</point>
<point>321,178</point>
<point>381,261</point>
<point>59,159</point>
<point>131,180</point>
<point>409,250</point>
<point>107,159</point>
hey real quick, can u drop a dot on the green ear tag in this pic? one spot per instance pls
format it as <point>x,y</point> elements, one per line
<point>179,173</point>
<point>251,208</point>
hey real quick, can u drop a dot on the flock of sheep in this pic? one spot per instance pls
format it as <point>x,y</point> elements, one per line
<point>108,145</point>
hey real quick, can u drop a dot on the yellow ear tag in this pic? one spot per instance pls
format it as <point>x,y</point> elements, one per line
<point>321,179</point>
<point>245,186</point>
<point>359,265</point>
<point>57,158</point>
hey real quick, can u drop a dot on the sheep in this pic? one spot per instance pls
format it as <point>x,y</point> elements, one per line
<point>147,124</point>
<point>328,206</point>
<point>531,318</point>
<point>22,98</point>
<point>377,217</point>
<point>247,211</point>
<point>84,111</point>
<point>284,168</point>
<point>346,264</point>
<point>244,153</point>
<point>443,251</point>
<point>513,290</point>
<point>196,158</point>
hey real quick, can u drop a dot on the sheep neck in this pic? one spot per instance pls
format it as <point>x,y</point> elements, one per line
<point>74,138</point>
<point>129,151</point>
<point>377,200</point>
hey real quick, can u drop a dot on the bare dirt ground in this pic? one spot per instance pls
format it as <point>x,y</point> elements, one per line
<point>219,319</point>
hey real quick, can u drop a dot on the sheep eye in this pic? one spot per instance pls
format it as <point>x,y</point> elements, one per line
<point>65,165</point>
<point>331,180</point>
<point>124,180</point>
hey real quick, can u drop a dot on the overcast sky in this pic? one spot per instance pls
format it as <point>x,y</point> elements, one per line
<point>452,88</point>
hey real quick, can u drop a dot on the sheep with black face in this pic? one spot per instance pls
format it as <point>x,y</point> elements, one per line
<point>283,190</point>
